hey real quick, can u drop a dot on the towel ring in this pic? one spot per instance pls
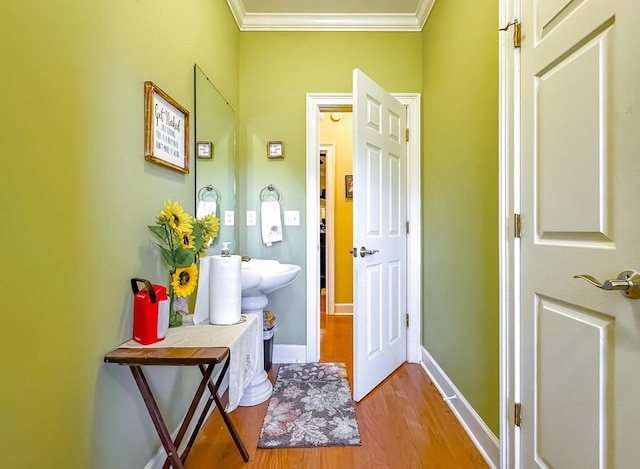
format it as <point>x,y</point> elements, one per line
<point>267,191</point>
<point>209,190</point>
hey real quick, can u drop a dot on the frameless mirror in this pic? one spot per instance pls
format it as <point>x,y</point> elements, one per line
<point>215,158</point>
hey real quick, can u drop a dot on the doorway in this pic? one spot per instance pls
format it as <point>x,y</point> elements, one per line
<point>336,233</point>
<point>336,102</point>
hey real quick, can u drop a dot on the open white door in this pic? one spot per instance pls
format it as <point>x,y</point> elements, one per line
<point>379,234</point>
<point>580,145</point>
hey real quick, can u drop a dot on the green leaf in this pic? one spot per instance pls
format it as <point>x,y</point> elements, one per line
<point>183,257</point>
<point>169,256</point>
<point>197,234</point>
<point>160,232</point>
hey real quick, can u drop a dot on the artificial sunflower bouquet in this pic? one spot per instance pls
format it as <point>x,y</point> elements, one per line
<point>183,240</point>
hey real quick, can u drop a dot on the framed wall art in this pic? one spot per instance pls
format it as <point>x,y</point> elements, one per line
<point>204,150</point>
<point>166,130</point>
<point>348,186</point>
<point>275,150</point>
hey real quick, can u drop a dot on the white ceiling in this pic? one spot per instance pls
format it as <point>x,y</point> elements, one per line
<point>331,15</point>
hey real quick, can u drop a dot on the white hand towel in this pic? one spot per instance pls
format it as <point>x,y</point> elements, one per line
<point>201,310</point>
<point>271,223</point>
<point>206,208</point>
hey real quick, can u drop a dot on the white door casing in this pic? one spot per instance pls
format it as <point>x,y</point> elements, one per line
<point>379,214</point>
<point>509,203</point>
<point>580,177</point>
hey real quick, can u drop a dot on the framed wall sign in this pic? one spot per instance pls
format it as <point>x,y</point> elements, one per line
<point>275,150</point>
<point>166,130</point>
<point>204,149</point>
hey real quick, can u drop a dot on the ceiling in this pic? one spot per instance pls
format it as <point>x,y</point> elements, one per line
<point>331,15</point>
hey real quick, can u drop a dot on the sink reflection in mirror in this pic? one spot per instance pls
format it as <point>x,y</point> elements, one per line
<point>215,122</point>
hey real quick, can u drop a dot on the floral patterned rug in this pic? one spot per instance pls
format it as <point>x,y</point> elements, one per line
<point>311,406</point>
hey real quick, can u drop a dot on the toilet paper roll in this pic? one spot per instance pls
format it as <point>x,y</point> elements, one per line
<point>225,290</point>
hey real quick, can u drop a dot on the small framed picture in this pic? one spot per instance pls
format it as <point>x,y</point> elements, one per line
<point>348,186</point>
<point>204,150</point>
<point>275,150</point>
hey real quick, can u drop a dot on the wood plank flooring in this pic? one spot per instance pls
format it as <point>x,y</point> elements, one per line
<point>404,423</point>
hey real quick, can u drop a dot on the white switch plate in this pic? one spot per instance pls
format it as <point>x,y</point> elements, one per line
<point>251,218</point>
<point>228,218</point>
<point>292,218</point>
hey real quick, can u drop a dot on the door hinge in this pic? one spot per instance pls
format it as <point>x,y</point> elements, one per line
<point>517,32</point>
<point>407,319</point>
<point>518,413</point>
<point>517,35</point>
<point>517,225</point>
<point>407,134</point>
<point>407,227</point>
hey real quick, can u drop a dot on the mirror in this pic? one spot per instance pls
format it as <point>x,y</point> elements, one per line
<point>215,157</point>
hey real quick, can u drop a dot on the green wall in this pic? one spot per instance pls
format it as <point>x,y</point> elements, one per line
<point>277,69</point>
<point>77,196</point>
<point>460,199</point>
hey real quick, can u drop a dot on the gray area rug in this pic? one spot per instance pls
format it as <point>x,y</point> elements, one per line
<point>311,406</point>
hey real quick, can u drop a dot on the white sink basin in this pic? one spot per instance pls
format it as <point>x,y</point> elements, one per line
<point>262,276</point>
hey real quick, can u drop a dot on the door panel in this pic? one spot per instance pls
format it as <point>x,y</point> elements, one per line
<point>579,172</point>
<point>570,137</point>
<point>571,400</point>
<point>379,213</point>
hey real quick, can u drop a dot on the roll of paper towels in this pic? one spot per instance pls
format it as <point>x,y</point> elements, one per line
<point>225,290</point>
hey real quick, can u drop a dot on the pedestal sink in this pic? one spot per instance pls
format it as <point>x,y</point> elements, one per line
<point>260,277</point>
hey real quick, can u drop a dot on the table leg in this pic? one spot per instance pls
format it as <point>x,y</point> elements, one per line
<point>207,406</point>
<point>189,415</point>
<point>232,429</point>
<point>156,417</point>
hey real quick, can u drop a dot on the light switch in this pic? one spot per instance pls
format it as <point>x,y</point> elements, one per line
<point>292,218</point>
<point>228,218</point>
<point>251,218</point>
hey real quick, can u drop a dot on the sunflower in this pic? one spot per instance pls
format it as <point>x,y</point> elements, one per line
<point>187,240</point>
<point>177,219</point>
<point>210,226</point>
<point>184,280</point>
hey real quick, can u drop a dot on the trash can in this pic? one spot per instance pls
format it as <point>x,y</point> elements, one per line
<point>268,330</point>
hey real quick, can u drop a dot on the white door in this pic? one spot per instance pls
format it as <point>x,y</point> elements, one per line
<point>580,177</point>
<point>379,217</point>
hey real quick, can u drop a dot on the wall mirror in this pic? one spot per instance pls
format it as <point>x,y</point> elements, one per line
<point>215,159</point>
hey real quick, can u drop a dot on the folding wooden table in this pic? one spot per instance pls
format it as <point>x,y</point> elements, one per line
<point>203,357</point>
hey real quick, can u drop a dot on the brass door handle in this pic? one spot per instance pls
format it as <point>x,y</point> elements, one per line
<point>627,283</point>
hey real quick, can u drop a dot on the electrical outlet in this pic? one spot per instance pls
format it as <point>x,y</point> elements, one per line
<point>228,218</point>
<point>291,218</point>
<point>251,218</point>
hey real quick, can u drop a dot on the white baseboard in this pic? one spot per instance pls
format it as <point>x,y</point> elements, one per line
<point>283,353</point>
<point>157,461</point>
<point>343,308</point>
<point>484,439</point>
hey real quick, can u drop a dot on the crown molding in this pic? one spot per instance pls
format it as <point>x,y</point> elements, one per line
<point>330,21</point>
<point>424,10</point>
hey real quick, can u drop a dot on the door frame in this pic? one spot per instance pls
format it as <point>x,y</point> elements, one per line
<point>509,245</point>
<point>315,101</point>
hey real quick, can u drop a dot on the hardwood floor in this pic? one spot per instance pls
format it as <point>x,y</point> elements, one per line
<point>404,423</point>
